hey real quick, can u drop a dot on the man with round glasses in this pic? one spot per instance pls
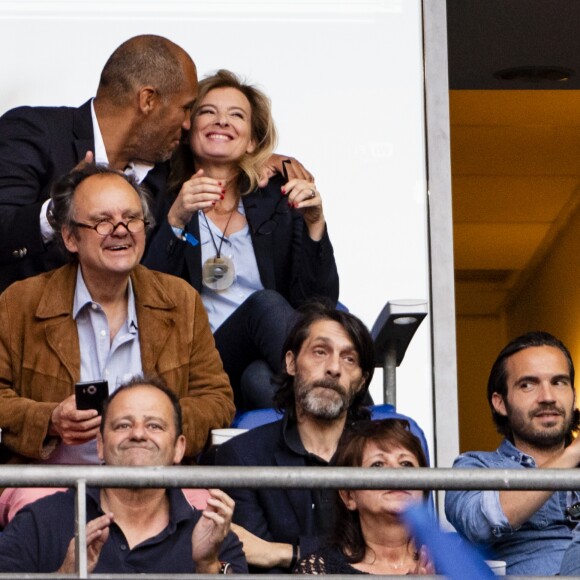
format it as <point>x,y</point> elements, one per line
<point>133,225</point>
<point>102,317</point>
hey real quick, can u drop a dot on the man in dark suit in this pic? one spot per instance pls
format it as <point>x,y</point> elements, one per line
<point>134,123</point>
<point>329,363</point>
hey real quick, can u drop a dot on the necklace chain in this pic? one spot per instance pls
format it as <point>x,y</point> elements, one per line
<point>403,561</point>
<point>223,236</point>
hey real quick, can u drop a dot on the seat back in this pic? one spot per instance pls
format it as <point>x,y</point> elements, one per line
<point>255,418</point>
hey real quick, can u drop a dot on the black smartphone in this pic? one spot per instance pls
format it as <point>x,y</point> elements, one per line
<point>91,395</point>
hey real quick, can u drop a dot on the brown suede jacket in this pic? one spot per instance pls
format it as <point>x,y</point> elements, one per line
<point>40,357</point>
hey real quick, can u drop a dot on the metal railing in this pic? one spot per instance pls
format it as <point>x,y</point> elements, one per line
<point>80,477</point>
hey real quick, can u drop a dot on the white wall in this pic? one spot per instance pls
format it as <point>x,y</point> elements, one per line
<point>346,81</point>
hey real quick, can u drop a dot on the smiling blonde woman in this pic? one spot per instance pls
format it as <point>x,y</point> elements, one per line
<point>254,253</point>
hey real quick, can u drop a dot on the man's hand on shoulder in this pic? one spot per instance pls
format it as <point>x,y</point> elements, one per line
<point>210,531</point>
<point>88,159</point>
<point>74,427</point>
<point>288,166</point>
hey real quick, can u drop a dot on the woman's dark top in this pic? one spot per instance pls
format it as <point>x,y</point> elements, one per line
<point>288,260</point>
<point>329,560</point>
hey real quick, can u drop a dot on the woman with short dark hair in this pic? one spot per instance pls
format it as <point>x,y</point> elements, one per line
<point>369,536</point>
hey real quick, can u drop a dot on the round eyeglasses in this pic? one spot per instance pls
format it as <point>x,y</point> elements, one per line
<point>106,227</point>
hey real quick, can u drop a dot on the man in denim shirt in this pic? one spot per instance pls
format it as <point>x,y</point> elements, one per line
<point>531,394</point>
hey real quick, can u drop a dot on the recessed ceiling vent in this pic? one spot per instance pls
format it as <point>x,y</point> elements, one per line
<point>534,74</point>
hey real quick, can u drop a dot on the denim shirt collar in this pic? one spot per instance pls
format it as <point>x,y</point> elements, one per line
<point>509,450</point>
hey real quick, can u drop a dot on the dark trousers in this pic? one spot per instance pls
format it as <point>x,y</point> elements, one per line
<point>250,344</point>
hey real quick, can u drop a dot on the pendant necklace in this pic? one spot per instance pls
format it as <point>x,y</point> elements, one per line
<point>218,272</point>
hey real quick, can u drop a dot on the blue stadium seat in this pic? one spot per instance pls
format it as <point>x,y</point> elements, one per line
<point>255,418</point>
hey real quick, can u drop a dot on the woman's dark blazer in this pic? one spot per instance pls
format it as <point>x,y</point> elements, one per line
<point>288,260</point>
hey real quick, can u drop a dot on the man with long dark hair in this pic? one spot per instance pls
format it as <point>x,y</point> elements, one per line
<point>329,363</point>
<point>531,396</point>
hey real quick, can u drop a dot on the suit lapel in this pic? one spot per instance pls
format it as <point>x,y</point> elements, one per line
<point>193,254</point>
<point>83,131</point>
<point>156,181</point>
<point>55,306</point>
<point>155,317</point>
<point>258,209</point>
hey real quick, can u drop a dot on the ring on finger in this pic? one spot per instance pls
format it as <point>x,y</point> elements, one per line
<point>312,194</point>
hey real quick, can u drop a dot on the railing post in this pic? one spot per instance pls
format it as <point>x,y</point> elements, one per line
<point>390,374</point>
<point>81,529</point>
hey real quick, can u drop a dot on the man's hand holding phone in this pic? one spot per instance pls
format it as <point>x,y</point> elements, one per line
<point>73,426</point>
<point>91,395</point>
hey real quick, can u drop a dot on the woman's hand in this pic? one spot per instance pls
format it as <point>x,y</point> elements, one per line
<point>303,196</point>
<point>197,193</point>
<point>424,565</point>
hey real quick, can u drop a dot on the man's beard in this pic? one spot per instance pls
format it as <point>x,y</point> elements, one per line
<point>160,153</point>
<point>523,428</point>
<point>325,399</point>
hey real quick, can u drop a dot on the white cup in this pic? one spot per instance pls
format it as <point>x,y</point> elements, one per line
<point>497,567</point>
<point>219,436</point>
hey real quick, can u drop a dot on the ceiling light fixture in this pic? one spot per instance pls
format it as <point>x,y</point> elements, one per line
<point>392,332</point>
